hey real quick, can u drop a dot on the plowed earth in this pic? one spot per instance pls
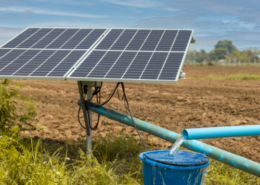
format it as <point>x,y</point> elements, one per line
<point>189,104</point>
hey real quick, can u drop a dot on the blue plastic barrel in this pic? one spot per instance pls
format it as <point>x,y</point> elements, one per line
<point>184,168</point>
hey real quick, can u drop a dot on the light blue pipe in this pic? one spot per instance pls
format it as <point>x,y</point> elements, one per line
<point>213,152</point>
<point>217,132</point>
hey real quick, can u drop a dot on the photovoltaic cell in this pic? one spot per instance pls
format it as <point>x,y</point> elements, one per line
<point>12,67</point>
<point>67,63</point>
<point>48,38</point>
<point>76,39</point>
<point>122,54</point>
<point>88,64</point>
<point>123,40</point>
<point>138,40</point>
<point>47,63</point>
<point>152,40</point>
<point>111,37</point>
<point>130,65</point>
<point>136,55</point>
<point>32,65</point>
<point>4,52</point>
<point>167,40</point>
<point>20,38</point>
<point>138,64</point>
<point>62,39</point>
<point>55,38</point>
<point>9,57</point>
<point>91,38</point>
<point>171,66</point>
<point>30,41</point>
<point>181,41</point>
<point>121,65</point>
<point>104,64</point>
<point>46,52</point>
<point>154,67</point>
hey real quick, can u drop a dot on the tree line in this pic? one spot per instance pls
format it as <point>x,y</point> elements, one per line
<point>224,49</point>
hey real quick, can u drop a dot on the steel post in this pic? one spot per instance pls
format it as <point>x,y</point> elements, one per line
<point>88,130</point>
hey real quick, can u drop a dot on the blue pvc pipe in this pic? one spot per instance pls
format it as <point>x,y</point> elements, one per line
<point>213,152</point>
<point>217,132</point>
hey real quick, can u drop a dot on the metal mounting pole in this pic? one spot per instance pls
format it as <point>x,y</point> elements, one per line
<point>89,137</point>
<point>88,130</point>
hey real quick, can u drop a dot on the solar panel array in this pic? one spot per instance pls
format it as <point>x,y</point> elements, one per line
<point>143,55</point>
<point>46,52</point>
<point>135,55</point>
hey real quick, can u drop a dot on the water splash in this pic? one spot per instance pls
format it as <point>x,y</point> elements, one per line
<point>176,145</point>
<point>205,173</point>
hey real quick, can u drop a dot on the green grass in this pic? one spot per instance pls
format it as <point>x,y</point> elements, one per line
<point>114,161</point>
<point>230,77</point>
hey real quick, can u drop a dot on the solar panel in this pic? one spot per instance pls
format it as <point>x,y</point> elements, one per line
<point>46,53</point>
<point>135,55</point>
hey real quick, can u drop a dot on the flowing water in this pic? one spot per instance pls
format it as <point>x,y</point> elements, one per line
<point>205,173</point>
<point>176,145</point>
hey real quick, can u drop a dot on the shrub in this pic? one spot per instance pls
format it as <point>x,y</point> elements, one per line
<point>15,108</point>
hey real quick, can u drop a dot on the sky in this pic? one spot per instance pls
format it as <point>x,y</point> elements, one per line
<point>212,20</point>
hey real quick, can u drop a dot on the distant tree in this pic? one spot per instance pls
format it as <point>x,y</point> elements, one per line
<point>226,44</point>
<point>218,53</point>
<point>201,55</point>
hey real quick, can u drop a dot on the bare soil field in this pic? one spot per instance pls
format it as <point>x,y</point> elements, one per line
<point>189,104</point>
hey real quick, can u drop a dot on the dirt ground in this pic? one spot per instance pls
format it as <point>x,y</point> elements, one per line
<point>189,104</point>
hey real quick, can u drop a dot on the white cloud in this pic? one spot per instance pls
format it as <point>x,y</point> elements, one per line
<point>8,32</point>
<point>71,2</point>
<point>171,9</point>
<point>239,23</point>
<point>77,24</point>
<point>135,3</point>
<point>47,12</point>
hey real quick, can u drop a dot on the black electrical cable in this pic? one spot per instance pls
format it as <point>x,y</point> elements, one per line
<point>127,107</point>
<point>97,92</point>
<point>79,119</point>
<point>124,95</point>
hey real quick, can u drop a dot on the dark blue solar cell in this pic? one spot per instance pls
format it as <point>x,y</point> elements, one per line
<point>171,66</point>
<point>138,40</point>
<point>50,63</point>
<point>152,40</point>
<point>62,68</point>
<point>154,66</point>
<point>88,64</point>
<point>77,39</point>
<point>35,38</point>
<point>111,37</point>
<point>91,39</point>
<point>138,65</point>
<point>121,65</point>
<point>10,57</point>
<point>62,39</point>
<point>48,39</point>
<point>3,52</point>
<point>32,65</point>
<point>123,40</point>
<point>182,40</point>
<point>105,64</point>
<point>20,38</point>
<point>16,64</point>
<point>167,40</point>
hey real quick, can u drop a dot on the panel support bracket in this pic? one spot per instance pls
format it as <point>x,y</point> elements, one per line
<point>88,120</point>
